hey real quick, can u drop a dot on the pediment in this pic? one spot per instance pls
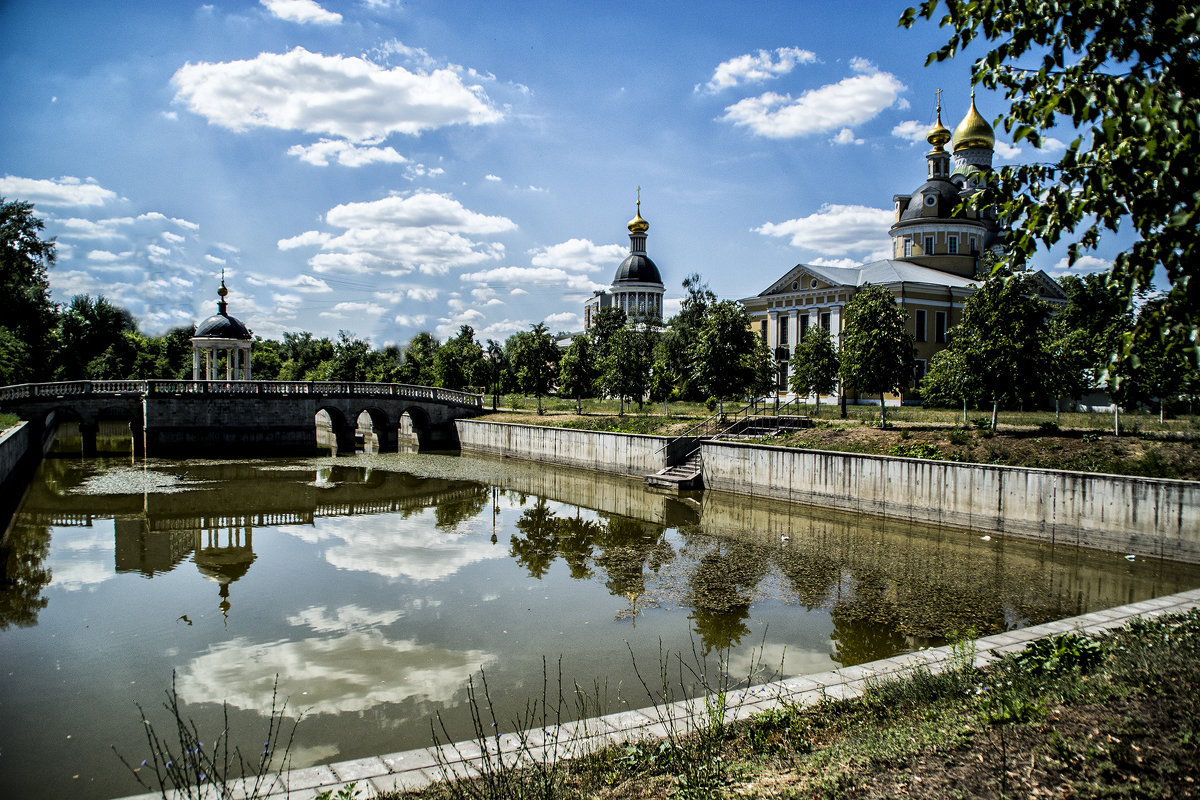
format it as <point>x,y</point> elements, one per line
<point>800,278</point>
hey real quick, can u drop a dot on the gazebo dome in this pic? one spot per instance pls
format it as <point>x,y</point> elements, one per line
<point>222,326</point>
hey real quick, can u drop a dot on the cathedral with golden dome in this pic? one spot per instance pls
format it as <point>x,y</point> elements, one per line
<point>637,288</point>
<point>938,254</point>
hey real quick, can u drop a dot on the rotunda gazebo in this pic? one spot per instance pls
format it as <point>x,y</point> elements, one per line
<point>221,333</point>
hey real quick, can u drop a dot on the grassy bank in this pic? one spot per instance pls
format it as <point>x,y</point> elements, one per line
<point>1081,442</point>
<point>1117,716</point>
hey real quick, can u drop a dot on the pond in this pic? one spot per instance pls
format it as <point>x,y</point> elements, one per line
<point>371,589</point>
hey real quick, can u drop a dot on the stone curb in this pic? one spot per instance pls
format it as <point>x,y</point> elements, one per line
<point>415,769</point>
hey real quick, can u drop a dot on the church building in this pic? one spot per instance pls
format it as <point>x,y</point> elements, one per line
<point>637,288</point>
<point>935,264</point>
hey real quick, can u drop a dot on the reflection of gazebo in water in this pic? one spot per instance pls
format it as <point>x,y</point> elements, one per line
<point>224,563</point>
<point>221,333</point>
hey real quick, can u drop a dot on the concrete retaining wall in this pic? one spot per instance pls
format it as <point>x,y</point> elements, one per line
<point>619,453</point>
<point>1145,516</point>
<point>18,454</point>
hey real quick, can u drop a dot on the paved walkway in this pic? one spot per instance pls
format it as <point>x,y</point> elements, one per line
<point>414,769</point>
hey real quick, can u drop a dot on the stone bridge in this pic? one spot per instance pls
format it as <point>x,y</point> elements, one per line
<point>173,418</point>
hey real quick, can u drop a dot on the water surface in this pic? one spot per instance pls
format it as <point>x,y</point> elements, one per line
<point>373,588</point>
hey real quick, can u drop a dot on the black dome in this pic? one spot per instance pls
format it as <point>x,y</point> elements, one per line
<point>947,195</point>
<point>222,326</point>
<point>637,268</point>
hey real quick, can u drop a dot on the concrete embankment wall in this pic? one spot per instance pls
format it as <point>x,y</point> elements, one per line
<point>1145,516</point>
<point>618,453</point>
<point>18,454</point>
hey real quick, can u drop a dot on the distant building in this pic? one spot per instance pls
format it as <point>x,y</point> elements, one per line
<point>637,288</point>
<point>935,263</point>
<point>221,336</point>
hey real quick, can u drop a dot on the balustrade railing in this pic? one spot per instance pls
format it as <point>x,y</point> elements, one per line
<point>159,387</point>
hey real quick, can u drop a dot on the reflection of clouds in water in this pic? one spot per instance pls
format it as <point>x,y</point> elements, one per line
<point>346,618</point>
<point>387,545</point>
<point>301,756</point>
<point>86,559</point>
<point>349,673</point>
<point>766,660</point>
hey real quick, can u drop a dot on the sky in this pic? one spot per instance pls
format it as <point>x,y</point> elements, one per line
<point>382,167</point>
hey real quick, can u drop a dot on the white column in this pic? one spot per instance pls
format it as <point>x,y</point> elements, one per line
<point>772,331</point>
<point>195,363</point>
<point>835,325</point>
<point>228,363</point>
<point>248,362</point>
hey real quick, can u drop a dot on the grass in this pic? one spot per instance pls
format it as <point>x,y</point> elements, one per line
<point>8,420</point>
<point>1072,716</point>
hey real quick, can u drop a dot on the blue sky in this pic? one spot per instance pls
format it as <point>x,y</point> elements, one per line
<point>385,167</point>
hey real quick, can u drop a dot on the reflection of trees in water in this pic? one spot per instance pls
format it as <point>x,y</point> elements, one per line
<point>722,587</point>
<point>865,621</point>
<point>624,548</point>
<point>811,572</point>
<point>23,576</point>
<point>449,514</point>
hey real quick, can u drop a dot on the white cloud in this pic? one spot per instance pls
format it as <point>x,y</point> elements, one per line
<point>545,276</point>
<point>911,130</point>
<point>837,230</point>
<point>102,255</point>
<point>844,263</point>
<point>578,255</point>
<point>173,238</point>
<point>354,309</point>
<point>1082,265</point>
<point>306,239</point>
<point>564,320</point>
<point>346,97</point>
<point>65,191</point>
<point>214,260</point>
<point>302,11</point>
<point>422,294</point>
<point>756,67</point>
<point>300,283</point>
<point>846,136</point>
<point>344,153</point>
<point>395,235</point>
<point>490,177</point>
<point>851,101</point>
<point>411,321</point>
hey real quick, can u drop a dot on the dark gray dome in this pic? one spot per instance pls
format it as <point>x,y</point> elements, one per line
<point>222,326</point>
<point>946,193</point>
<point>637,268</point>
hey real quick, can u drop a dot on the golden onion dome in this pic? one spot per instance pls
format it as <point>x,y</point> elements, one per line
<point>637,224</point>
<point>939,134</point>
<point>974,130</point>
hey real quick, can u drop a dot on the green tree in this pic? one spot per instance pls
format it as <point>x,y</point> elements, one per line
<point>90,341</point>
<point>577,373</point>
<point>303,354</point>
<point>727,360</point>
<point>1002,338</point>
<point>535,359</point>
<point>25,258</point>
<point>877,350</point>
<point>948,381</point>
<point>1122,74</point>
<point>419,353</point>
<point>460,362</point>
<point>350,359</point>
<point>815,365</point>
<point>679,338</point>
<point>266,359</point>
<point>626,367</point>
<point>605,323</point>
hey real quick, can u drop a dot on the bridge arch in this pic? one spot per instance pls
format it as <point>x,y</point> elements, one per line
<point>415,428</point>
